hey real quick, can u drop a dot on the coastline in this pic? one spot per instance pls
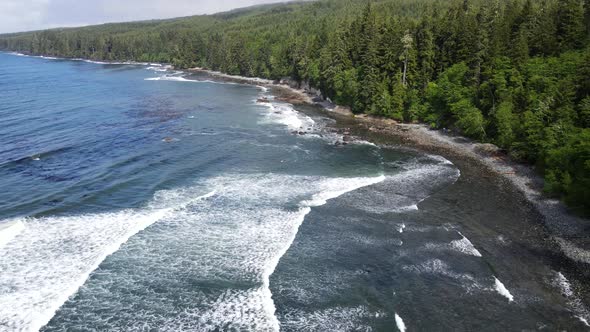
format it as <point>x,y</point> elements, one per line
<point>483,203</point>
<point>564,227</point>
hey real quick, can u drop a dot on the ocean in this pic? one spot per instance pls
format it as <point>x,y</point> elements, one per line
<point>139,198</point>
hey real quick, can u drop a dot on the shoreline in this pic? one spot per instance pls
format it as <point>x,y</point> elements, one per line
<point>505,226</point>
<point>566,229</point>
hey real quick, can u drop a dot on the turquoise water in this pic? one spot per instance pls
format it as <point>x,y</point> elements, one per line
<point>138,198</point>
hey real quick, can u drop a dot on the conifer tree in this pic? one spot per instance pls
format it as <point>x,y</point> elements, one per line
<point>426,53</point>
<point>570,23</point>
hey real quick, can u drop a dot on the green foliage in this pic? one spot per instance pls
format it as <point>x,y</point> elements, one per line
<point>505,124</point>
<point>568,170</point>
<point>512,72</point>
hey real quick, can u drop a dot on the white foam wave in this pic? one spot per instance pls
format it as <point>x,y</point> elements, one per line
<point>414,185</point>
<point>52,258</point>
<point>174,77</point>
<point>332,319</point>
<point>239,78</point>
<point>437,266</point>
<point>329,190</point>
<point>572,251</point>
<point>573,301</point>
<point>440,159</point>
<point>33,56</point>
<point>465,246</point>
<point>502,290</point>
<point>401,326</point>
<point>363,142</point>
<point>401,228</point>
<point>243,225</point>
<point>408,208</point>
<point>159,68</point>
<point>170,78</point>
<point>98,62</point>
<point>286,115</point>
<point>262,231</point>
<point>9,231</point>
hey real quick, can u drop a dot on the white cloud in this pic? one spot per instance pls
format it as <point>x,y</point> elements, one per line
<point>24,15</point>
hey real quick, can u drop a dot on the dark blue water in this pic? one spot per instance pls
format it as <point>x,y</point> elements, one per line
<point>137,198</point>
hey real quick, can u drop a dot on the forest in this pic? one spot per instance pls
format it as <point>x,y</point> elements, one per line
<point>515,73</point>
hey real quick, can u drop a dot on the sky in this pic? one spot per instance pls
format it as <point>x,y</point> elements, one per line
<point>26,15</point>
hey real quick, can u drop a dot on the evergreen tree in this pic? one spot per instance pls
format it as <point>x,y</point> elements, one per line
<point>407,42</point>
<point>570,23</point>
<point>426,53</point>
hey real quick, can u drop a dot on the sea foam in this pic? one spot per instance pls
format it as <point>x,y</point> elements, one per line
<point>9,231</point>
<point>52,257</point>
<point>465,246</point>
<point>573,301</point>
<point>331,319</point>
<point>237,232</point>
<point>401,326</point>
<point>502,290</point>
<point>286,115</point>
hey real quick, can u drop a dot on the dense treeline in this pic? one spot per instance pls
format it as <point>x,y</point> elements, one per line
<point>512,72</point>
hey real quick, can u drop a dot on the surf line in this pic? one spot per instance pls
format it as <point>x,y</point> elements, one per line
<point>33,317</point>
<point>304,209</point>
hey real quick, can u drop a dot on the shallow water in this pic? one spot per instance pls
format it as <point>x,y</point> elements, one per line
<point>139,198</point>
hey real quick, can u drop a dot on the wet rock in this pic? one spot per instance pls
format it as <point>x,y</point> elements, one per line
<point>343,110</point>
<point>487,148</point>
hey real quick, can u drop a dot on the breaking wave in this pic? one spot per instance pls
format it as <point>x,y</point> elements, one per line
<point>241,229</point>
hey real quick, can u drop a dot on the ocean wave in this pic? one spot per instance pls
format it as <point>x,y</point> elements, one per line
<point>404,191</point>
<point>441,268</point>
<point>573,301</point>
<point>465,246</point>
<point>9,231</point>
<point>159,68</point>
<point>243,225</point>
<point>332,319</point>
<point>502,290</point>
<point>171,78</point>
<point>52,257</point>
<point>462,245</point>
<point>98,62</point>
<point>286,115</point>
<point>176,77</point>
<point>401,326</point>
